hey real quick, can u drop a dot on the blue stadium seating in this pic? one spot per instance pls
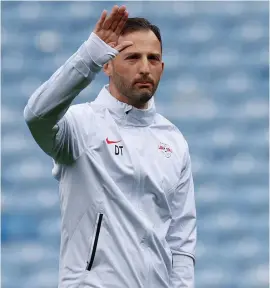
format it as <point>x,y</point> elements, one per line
<point>215,89</point>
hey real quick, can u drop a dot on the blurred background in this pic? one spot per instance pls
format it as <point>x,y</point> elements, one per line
<point>215,89</point>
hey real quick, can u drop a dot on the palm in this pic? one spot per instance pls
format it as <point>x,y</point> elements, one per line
<point>108,36</point>
<point>109,28</point>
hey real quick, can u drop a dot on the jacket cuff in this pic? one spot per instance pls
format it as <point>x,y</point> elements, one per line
<point>99,51</point>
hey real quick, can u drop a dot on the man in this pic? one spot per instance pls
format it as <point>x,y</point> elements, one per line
<point>126,188</point>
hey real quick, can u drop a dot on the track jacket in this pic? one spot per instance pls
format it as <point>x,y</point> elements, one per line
<point>126,189</point>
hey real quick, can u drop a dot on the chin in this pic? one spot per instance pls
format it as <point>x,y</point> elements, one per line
<point>145,97</point>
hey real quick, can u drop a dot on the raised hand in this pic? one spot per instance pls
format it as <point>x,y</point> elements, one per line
<point>108,28</point>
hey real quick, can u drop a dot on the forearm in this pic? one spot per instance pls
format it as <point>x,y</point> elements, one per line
<point>183,272</point>
<point>50,101</point>
<point>182,234</point>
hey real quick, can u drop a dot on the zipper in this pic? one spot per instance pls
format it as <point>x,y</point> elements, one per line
<point>90,263</point>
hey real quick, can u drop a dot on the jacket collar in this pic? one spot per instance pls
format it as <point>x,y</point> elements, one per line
<point>128,114</point>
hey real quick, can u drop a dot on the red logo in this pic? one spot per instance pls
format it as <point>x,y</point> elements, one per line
<point>165,148</point>
<point>112,142</point>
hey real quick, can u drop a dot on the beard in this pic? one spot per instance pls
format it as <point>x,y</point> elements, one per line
<point>138,95</point>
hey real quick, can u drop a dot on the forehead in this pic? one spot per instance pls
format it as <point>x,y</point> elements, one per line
<point>143,41</point>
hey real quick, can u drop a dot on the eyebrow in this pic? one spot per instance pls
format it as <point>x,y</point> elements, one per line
<point>137,54</point>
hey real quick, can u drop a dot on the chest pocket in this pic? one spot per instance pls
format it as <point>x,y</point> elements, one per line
<point>163,166</point>
<point>160,173</point>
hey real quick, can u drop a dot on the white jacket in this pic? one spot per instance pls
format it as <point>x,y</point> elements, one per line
<point>125,180</point>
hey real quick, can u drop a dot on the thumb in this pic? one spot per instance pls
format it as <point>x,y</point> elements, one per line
<point>123,45</point>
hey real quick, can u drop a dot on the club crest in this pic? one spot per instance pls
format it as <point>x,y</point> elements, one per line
<point>165,149</point>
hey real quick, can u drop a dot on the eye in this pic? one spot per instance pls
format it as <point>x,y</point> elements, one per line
<point>154,57</point>
<point>131,57</point>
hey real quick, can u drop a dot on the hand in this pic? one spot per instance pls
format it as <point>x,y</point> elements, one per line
<point>109,28</point>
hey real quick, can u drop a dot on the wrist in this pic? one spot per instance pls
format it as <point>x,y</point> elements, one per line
<point>99,51</point>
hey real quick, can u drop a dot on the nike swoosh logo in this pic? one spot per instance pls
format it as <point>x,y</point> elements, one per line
<point>112,142</point>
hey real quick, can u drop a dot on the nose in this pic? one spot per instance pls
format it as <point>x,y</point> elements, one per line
<point>144,66</point>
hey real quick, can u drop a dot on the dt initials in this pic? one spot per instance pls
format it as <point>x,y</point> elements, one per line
<point>118,150</point>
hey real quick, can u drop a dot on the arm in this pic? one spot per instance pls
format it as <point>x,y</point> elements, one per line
<point>182,233</point>
<point>46,110</point>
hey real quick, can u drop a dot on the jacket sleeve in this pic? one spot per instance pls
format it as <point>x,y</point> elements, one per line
<point>182,233</point>
<point>47,106</point>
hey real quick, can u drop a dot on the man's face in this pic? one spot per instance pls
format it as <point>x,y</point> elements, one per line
<point>135,73</point>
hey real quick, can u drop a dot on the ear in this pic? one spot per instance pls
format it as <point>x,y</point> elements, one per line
<point>107,68</point>
<point>162,67</point>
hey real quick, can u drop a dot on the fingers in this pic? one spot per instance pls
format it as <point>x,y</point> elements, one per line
<point>121,23</point>
<point>123,45</point>
<point>112,44</point>
<point>121,12</point>
<point>109,28</point>
<point>101,21</point>
<point>113,16</point>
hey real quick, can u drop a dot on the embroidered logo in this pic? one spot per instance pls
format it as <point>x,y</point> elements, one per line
<point>166,149</point>
<point>118,150</point>
<point>112,142</point>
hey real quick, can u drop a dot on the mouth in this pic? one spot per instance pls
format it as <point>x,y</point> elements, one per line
<point>144,84</point>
